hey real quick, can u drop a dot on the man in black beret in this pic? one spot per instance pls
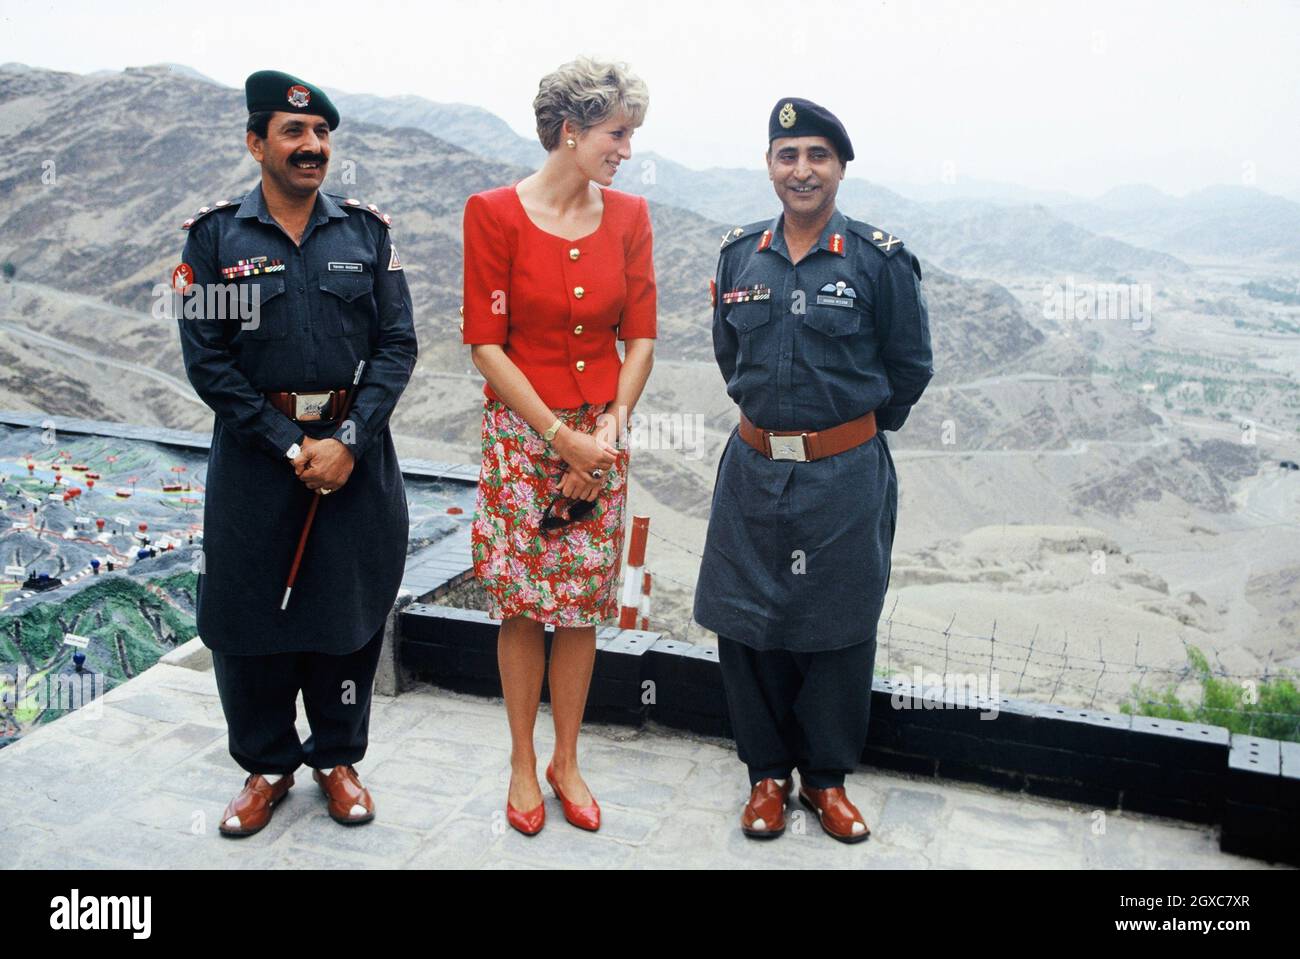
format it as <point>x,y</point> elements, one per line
<point>819,359</point>
<point>327,291</point>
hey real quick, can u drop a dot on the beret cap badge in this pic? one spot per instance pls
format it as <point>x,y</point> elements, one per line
<point>274,91</point>
<point>797,117</point>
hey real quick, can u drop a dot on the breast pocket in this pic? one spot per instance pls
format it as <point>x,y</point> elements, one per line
<point>755,332</point>
<point>263,308</point>
<point>839,337</point>
<point>347,303</point>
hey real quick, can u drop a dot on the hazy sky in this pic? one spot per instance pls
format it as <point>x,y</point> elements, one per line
<point>1076,96</point>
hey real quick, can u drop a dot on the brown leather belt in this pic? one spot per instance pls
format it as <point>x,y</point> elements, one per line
<point>802,445</point>
<point>321,406</point>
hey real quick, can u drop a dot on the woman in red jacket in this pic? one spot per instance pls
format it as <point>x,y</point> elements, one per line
<point>556,269</point>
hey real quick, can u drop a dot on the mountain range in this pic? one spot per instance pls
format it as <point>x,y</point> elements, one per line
<point>1032,418</point>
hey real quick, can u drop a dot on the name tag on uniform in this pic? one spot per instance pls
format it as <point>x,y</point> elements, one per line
<point>345,268</point>
<point>837,294</point>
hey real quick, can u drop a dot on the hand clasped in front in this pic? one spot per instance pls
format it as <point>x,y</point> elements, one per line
<point>323,465</point>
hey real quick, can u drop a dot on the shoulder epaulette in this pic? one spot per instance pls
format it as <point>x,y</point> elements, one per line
<point>352,203</point>
<point>753,229</point>
<point>883,241</point>
<point>213,208</point>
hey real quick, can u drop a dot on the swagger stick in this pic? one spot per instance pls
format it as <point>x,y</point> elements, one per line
<point>315,500</point>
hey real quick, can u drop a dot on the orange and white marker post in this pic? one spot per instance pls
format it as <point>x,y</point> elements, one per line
<point>632,578</point>
<point>645,601</point>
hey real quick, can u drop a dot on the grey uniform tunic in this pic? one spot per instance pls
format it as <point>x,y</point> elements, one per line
<point>797,554</point>
<point>341,297</point>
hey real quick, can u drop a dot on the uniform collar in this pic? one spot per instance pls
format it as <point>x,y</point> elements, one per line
<point>254,205</point>
<point>832,238</point>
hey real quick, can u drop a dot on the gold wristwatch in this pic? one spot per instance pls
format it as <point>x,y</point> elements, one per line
<point>549,435</point>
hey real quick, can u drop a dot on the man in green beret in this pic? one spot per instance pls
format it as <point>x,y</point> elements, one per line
<point>330,293</point>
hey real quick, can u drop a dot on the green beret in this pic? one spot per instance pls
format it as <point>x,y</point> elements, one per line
<point>796,117</point>
<point>271,90</point>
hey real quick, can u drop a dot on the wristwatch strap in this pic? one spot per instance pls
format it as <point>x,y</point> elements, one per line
<point>549,435</point>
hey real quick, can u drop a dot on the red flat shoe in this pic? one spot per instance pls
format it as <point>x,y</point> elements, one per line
<point>529,823</point>
<point>584,817</point>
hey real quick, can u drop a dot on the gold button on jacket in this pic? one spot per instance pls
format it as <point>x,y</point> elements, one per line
<point>581,364</point>
<point>578,291</point>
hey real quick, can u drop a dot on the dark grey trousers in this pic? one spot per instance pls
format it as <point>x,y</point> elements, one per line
<point>798,710</point>
<point>259,696</point>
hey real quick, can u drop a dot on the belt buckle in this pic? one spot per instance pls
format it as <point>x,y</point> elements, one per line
<point>788,447</point>
<point>308,407</point>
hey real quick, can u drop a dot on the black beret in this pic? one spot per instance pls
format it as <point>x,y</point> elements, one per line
<point>796,117</point>
<point>271,90</point>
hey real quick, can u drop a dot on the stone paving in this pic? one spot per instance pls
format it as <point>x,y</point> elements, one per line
<point>141,782</point>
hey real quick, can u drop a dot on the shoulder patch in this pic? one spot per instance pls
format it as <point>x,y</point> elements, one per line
<point>211,208</point>
<point>740,232</point>
<point>352,203</point>
<point>882,240</point>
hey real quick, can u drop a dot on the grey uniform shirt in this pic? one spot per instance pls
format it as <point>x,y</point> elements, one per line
<point>337,298</point>
<point>797,554</point>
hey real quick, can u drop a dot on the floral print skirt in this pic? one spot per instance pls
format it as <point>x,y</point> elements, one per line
<point>565,577</point>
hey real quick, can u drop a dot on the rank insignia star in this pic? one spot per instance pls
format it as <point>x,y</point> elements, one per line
<point>204,211</point>
<point>370,208</point>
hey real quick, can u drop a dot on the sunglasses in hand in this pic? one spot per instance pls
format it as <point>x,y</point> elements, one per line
<point>578,509</point>
<point>557,516</point>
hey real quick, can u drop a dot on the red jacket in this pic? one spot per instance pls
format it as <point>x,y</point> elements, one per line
<point>556,304</point>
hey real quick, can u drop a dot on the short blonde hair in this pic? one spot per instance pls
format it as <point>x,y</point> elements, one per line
<point>588,92</point>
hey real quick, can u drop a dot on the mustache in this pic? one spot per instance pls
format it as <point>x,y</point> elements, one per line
<point>308,158</point>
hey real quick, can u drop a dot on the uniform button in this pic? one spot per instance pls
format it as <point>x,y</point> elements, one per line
<point>581,365</point>
<point>301,290</point>
<point>578,291</point>
<point>462,311</point>
<point>573,254</point>
<point>578,329</point>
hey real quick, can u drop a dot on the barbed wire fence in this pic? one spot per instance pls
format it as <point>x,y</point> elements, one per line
<point>1064,674</point>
